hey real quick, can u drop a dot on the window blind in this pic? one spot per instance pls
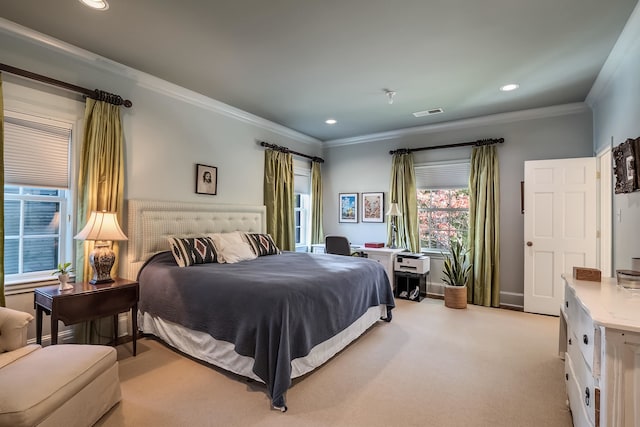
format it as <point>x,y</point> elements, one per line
<point>301,178</point>
<point>441,175</point>
<point>36,152</point>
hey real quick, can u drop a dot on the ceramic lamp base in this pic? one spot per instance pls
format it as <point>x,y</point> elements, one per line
<point>101,260</point>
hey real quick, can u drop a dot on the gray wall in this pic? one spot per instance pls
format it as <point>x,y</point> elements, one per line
<point>366,167</point>
<point>616,117</point>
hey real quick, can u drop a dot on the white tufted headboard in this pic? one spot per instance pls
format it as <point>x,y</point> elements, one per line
<point>150,222</point>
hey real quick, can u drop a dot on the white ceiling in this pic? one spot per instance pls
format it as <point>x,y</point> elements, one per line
<point>299,62</point>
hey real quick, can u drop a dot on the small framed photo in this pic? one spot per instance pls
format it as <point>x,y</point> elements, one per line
<point>372,207</point>
<point>348,207</point>
<point>206,179</point>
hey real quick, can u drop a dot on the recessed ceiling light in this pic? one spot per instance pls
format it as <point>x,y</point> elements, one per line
<point>331,121</point>
<point>509,87</point>
<point>96,4</point>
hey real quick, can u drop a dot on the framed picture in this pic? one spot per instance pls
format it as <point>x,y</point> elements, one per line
<point>348,207</point>
<point>206,179</point>
<point>372,207</point>
<point>625,167</point>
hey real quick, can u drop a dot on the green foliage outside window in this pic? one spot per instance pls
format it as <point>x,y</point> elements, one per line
<point>443,216</point>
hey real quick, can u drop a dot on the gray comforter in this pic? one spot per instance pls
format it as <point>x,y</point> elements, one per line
<point>274,308</point>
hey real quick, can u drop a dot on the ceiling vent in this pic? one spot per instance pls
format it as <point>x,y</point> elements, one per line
<point>428,112</point>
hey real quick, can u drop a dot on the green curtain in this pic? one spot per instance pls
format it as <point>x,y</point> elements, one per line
<point>317,234</point>
<point>484,227</point>
<point>278,198</point>
<point>2,300</point>
<point>101,173</point>
<point>100,185</point>
<point>403,192</point>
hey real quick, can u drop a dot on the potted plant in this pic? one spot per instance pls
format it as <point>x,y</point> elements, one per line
<point>62,272</point>
<point>457,269</point>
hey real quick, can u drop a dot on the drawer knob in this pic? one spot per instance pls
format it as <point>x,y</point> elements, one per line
<point>569,341</point>
<point>566,377</point>
<point>566,304</point>
<point>587,396</point>
<point>585,339</point>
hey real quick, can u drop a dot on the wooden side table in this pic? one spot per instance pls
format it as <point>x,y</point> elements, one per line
<point>87,302</point>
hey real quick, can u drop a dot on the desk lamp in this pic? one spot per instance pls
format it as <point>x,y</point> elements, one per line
<point>393,212</point>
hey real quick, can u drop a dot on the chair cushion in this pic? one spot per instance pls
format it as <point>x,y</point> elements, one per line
<point>11,356</point>
<point>13,331</point>
<point>44,379</point>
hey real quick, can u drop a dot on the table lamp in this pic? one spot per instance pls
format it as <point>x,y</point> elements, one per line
<point>393,212</point>
<point>102,227</point>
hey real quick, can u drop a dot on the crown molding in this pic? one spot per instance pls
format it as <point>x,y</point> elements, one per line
<point>502,118</point>
<point>627,40</point>
<point>149,81</point>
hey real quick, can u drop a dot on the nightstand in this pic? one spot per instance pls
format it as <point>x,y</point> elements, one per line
<point>87,302</point>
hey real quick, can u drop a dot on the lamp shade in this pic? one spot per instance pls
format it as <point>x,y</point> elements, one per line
<point>101,226</point>
<point>393,210</point>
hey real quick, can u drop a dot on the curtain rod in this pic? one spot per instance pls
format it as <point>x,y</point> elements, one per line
<point>477,143</point>
<point>286,150</point>
<point>93,94</point>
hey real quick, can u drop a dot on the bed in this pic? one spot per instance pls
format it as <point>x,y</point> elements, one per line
<point>272,318</point>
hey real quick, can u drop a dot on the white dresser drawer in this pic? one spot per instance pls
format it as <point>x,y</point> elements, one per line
<point>582,327</point>
<point>583,379</point>
<point>576,402</point>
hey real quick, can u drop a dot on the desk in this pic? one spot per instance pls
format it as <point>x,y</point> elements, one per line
<point>318,248</point>
<point>384,256</point>
<point>87,302</point>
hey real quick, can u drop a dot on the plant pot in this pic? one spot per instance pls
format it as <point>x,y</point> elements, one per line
<point>455,296</point>
<point>63,279</point>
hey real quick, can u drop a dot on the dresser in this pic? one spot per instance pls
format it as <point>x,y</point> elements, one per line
<point>384,256</point>
<point>600,340</point>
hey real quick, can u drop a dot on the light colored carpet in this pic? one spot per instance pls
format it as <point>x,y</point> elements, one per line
<point>431,366</point>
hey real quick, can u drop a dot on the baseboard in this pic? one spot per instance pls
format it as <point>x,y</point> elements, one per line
<point>64,337</point>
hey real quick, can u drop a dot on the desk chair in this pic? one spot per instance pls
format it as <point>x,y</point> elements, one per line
<point>338,245</point>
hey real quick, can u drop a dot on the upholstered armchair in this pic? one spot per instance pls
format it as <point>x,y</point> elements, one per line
<point>58,385</point>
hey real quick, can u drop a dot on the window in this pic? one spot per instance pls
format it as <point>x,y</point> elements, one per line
<point>443,203</point>
<point>443,215</point>
<point>33,231</point>
<point>36,196</point>
<point>301,213</point>
<point>302,204</point>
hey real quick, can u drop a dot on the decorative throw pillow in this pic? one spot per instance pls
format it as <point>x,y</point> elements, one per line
<point>262,244</point>
<point>231,247</point>
<point>193,250</point>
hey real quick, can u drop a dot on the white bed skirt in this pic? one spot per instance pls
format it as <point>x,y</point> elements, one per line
<point>204,347</point>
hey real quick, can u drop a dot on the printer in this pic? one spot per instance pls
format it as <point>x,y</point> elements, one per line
<point>411,263</point>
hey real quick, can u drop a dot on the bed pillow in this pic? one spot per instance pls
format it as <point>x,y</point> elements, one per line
<point>262,244</point>
<point>193,250</point>
<point>231,247</point>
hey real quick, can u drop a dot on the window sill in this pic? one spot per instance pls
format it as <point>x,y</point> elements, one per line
<point>16,288</point>
<point>434,253</point>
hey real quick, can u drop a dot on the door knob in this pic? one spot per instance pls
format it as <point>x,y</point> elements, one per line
<point>529,243</point>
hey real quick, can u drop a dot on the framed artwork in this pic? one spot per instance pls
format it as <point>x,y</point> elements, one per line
<point>206,179</point>
<point>624,158</point>
<point>348,207</point>
<point>372,207</point>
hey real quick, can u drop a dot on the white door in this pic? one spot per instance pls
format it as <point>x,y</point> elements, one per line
<point>559,227</point>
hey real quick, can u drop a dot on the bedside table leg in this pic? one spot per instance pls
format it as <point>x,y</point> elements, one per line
<point>134,326</point>
<point>115,328</point>
<point>39,325</point>
<point>54,328</point>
